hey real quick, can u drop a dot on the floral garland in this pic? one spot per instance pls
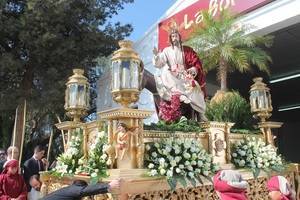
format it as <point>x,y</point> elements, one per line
<point>255,154</point>
<point>180,160</point>
<point>170,111</point>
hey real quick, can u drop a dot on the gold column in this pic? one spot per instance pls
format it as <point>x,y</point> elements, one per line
<point>141,145</point>
<point>111,149</point>
<point>227,132</point>
<point>85,143</point>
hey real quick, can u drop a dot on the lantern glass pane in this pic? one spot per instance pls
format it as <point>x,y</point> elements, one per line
<point>125,66</point>
<point>254,99</point>
<point>81,97</point>
<point>135,75</point>
<point>87,98</point>
<point>115,75</point>
<point>262,103</point>
<point>72,95</point>
<point>67,98</point>
<point>268,98</point>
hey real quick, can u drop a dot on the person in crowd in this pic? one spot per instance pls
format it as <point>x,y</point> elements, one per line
<point>176,62</point>
<point>2,155</point>
<point>279,189</point>
<point>12,153</point>
<point>230,185</point>
<point>35,164</point>
<point>12,184</point>
<point>2,159</point>
<point>35,184</point>
<point>80,189</point>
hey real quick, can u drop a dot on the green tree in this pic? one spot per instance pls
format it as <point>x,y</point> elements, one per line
<point>224,44</point>
<point>42,40</point>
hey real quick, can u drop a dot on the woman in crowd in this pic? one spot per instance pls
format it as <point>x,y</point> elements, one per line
<point>279,189</point>
<point>12,185</point>
<point>230,185</point>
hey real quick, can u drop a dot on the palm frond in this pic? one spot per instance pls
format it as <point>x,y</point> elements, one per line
<point>240,60</point>
<point>267,40</point>
<point>259,58</point>
<point>227,51</point>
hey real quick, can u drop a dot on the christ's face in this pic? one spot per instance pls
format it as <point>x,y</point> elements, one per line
<point>175,38</point>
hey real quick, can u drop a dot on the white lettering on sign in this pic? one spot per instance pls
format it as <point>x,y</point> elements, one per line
<point>214,7</point>
<point>219,5</point>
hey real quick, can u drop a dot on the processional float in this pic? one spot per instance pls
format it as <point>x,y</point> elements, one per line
<point>127,137</point>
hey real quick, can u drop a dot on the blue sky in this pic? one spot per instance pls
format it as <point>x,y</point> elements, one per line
<point>142,14</point>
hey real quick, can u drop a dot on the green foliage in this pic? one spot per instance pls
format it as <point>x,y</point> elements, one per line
<point>223,46</point>
<point>231,108</point>
<point>245,131</point>
<point>183,125</point>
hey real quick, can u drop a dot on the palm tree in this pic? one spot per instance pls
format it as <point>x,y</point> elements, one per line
<point>224,45</point>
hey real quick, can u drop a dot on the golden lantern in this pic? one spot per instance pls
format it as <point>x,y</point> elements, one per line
<point>260,99</point>
<point>77,95</point>
<point>126,74</point>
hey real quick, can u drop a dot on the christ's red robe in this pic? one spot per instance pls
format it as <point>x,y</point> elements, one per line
<point>191,59</point>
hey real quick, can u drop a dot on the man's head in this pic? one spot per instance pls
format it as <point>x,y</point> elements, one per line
<point>35,182</point>
<point>2,155</point>
<point>12,153</point>
<point>39,152</point>
<point>175,38</point>
<point>81,183</point>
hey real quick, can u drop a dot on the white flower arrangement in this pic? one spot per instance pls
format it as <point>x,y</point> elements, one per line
<point>68,162</point>
<point>180,160</point>
<point>96,166</point>
<point>255,154</point>
<point>72,161</point>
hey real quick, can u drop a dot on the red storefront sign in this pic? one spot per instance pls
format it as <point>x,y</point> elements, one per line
<point>192,15</point>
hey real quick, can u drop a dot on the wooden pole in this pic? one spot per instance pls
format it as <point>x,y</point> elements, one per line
<point>62,133</point>
<point>49,147</point>
<point>23,133</point>
<point>14,131</point>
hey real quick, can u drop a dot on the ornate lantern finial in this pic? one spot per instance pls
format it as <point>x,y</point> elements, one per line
<point>126,74</point>
<point>77,95</point>
<point>260,99</point>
